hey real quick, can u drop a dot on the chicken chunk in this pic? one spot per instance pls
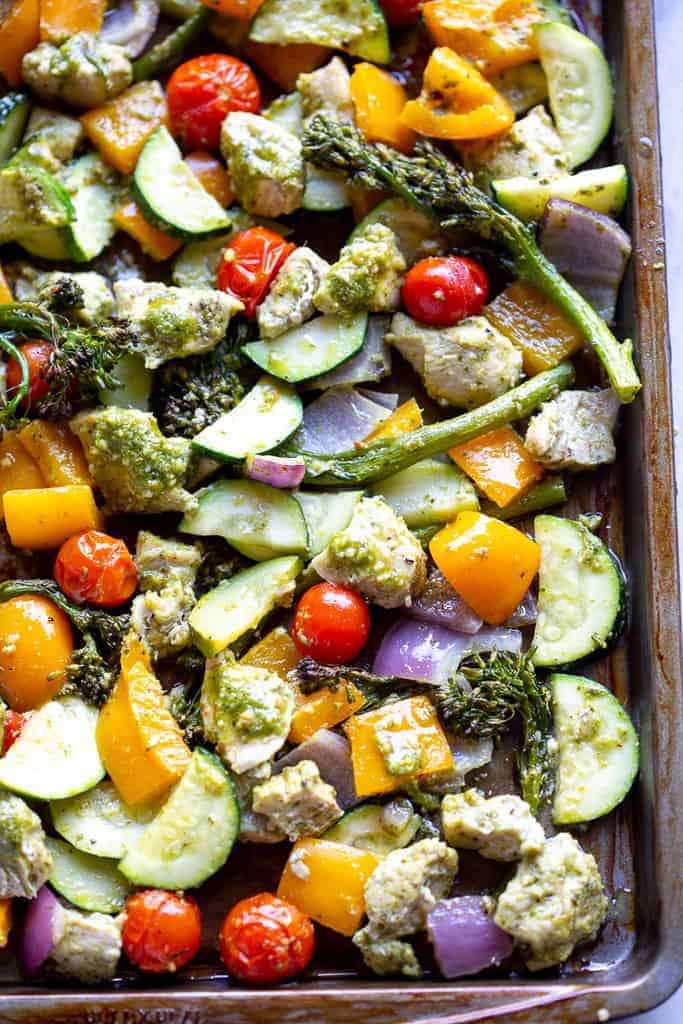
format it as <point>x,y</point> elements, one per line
<point>465,365</point>
<point>500,828</point>
<point>406,885</point>
<point>367,275</point>
<point>531,148</point>
<point>387,956</point>
<point>83,71</point>
<point>327,91</point>
<point>289,302</point>
<point>174,322</point>
<point>88,946</point>
<point>575,430</point>
<point>25,860</point>
<point>254,828</point>
<point>265,162</point>
<point>376,555</point>
<point>297,801</point>
<point>160,612</point>
<point>555,901</point>
<point>51,139</point>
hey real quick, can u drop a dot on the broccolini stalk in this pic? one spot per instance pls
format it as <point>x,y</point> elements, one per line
<point>437,186</point>
<point>551,491</point>
<point>380,458</point>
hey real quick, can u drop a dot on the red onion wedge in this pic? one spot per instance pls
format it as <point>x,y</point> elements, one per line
<point>441,604</point>
<point>340,418</point>
<point>274,470</point>
<point>332,754</point>
<point>131,24</point>
<point>525,615</point>
<point>429,653</point>
<point>465,937</point>
<point>40,930</point>
<point>372,363</point>
<point>589,249</point>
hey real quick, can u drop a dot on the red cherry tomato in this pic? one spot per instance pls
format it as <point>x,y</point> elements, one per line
<point>14,723</point>
<point>441,291</point>
<point>203,91</point>
<point>37,355</point>
<point>265,939</point>
<point>94,567</point>
<point>250,263</point>
<point>162,930</point>
<point>401,12</point>
<point>331,623</point>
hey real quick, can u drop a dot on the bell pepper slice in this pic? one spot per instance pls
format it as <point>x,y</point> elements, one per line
<point>19,471</point>
<point>120,128</point>
<point>244,9</point>
<point>5,921</point>
<point>58,453</point>
<point>284,64</point>
<point>19,33</point>
<point>491,34</point>
<point>59,20</point>
<point>407,417</point>
<point>499,464</point>
<point>5,290</point>
<point>276,653</point>
<point>157,244</point>
<point>212,175</point>
<point>456,101</point>
<point>379,99</point>
<point>488,562</point>
<point>44,517</point>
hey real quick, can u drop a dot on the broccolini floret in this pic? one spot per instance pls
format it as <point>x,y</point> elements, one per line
<point>219,562</point>
<point>88,674</point>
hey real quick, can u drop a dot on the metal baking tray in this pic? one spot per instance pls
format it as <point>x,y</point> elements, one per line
<point>638,959</point>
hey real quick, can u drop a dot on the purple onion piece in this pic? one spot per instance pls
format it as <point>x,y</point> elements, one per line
<point>131,24</point>
<point>441,604</point>
<point>589,249</point>
<point>274,470</point>
<point>332,753</point>
<point>371,364</point>
<point>338,420</point>
<point>525,614</point>
<point>465,937</point>
<point>39,933</point>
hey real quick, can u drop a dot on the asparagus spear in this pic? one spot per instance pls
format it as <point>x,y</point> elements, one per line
<point>170,50</point>
<point>435,185</point>
<point>379,459</point>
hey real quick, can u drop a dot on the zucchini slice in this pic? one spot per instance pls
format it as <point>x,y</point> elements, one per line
<point>91,883</point>
<point>310,350</point>
<point>14,110</point>
<point>192,836</point>
<point>427,493</point>
<point>603,189</point>
<point>169,194</point>
<point>582,595</point>
<point>325,192</point>
<point>96,195</point>
<point>260,422</point>
<point>356,26</point>
<point>99,822</point>
<point>262,522</point>
<point>326,513</point>
<point>371,828</point>
<point>597,750</point>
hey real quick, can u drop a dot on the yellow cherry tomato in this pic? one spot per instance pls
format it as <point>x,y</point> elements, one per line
<point>36,644</point>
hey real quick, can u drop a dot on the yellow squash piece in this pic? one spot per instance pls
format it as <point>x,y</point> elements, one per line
<point>18,470</point>
<point>138,738</point>
<point>412,724</point>
<point>120,128</point>
<point>44,517</point>
<point>5,921</point>
<point>535,325</point>
<point>327,881</point>
<point>58,453</point>
<point>407,417</point>
<point>491,34</point>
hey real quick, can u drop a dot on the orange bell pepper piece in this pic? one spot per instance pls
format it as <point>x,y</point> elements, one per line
<point>18,470</point>
<point>245,9</point>
<point>212,175</point>
<point>499,464</point>
<point>44,517</point>
<point>284,64</point>
<point>379,99</point>
<point>157,244</point>
<point>120,128</point>
<point>535,324</point>
<point>488,562</point>
<point>5,921</point>
<point>333,889</point>
<point>491,34</point>
<point>5,290</point>
<point>276,653</point>
<point>19,33</point>
<point>323,710</point>
<point>417,722</point>
<point>58,453</point>
<point>407,417</point>
<point>456,101</point>
<point>138,738</point>
<point>59,20</point>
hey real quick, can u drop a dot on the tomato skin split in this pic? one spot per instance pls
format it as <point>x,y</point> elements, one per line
<point>203,91</point>
<point>250,264</point>
<point>162,930</point>
<point>265,940</point>
<point>94,567</point>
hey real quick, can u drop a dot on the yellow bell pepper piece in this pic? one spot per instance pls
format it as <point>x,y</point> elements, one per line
<point>333,890</point>
<point>5,290</point>
<point>416,723</point>
<point>491,34</point>
<point>19,33</point>
<point>276,653</point>
<point>5,921</point>
<point>59,20</point>
<point>379,99</point>
<point>456,101</point>
<point>120,128</point>
<point>57,451</point>
<point>284,64</point>
<point>44,517</point>
<point>535,325</point>
<point>18,470</point>
<point>138,738</point>
<point>212,176</point>
<point>157,244</point>
<point>407,417</point>
<point>499,464</point>
<point>488,562</point>
<point>323,710</point>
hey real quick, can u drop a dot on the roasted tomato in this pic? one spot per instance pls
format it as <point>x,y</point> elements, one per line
<point>14,723</point>
<point>94,567</point>
<point>265,939</point>
<point>401,12</point>
<point>203,91</point>
<point>37,645</point>
<point>441,291</point>
<point>331,623</point>
<point>37,355</point>
<point>250,264</point>
<point>162,930</point>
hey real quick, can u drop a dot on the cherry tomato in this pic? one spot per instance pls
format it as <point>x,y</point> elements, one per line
<point>203,91</point>
<point>37,355</point>
<point>331,623</point>
<point>441,291</point>
<point>250,264</point>
<point>162,930</point>
<point>94,567</point>
<point>14,723</point>
<point>265,939</point>
<point>36,644</point>
<point>401,12</point>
